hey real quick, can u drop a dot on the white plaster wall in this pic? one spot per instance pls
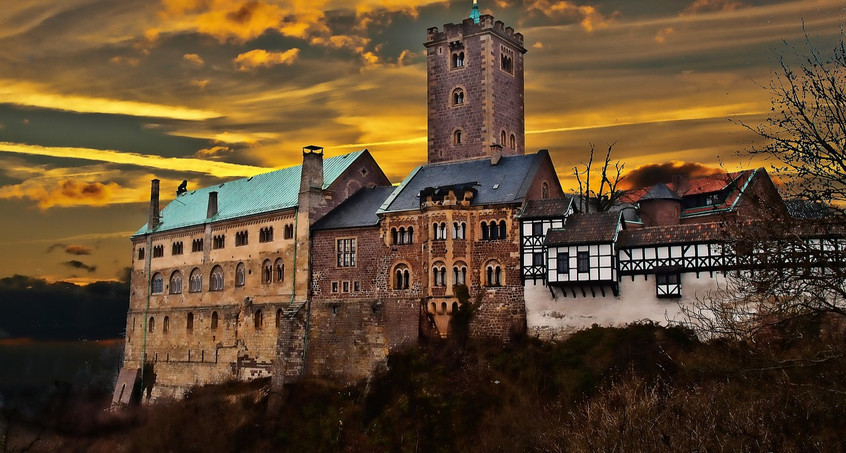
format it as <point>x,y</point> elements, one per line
<point>550,319</point>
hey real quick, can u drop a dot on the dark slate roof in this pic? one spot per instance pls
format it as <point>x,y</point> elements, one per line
<point>593,228</point>
<point>506,182</point>
<point>545,209</point>
<point>359,210</point>
<point>660,191</point>
<point>672,234</point>
<point>258,194</point>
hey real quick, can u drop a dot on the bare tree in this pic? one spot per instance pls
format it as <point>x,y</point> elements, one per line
<point>805,133</point>
<point>607,194</point>
<point>783,270</point>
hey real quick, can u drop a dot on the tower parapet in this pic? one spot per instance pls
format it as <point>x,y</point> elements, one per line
<point>475,90</point>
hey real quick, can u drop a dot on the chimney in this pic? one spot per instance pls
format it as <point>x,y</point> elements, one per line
<point>312,170</point>
<point>153,221</point>
<point>212,211</point>
<point>496,153</point>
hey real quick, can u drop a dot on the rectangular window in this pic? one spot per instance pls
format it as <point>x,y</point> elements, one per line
<point>197,245</point>
<point>334,287</point>
<point>356,286</point>
<point>537,259</point>
<point>563,261</point>
<point>346,252</point>
<point>141,253</point>
<point>668,285</point>
<point>345,287</point>
<point>537,229</point>
<point>583,262</point>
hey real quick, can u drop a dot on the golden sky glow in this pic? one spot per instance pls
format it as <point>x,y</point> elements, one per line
<point>97,98</point>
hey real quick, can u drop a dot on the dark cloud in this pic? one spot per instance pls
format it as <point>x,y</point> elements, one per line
<point>649,174</point>
<point>76,264</point>
<point>55,246</point>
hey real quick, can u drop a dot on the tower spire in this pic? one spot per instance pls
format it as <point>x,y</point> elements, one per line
<point>474,13</point>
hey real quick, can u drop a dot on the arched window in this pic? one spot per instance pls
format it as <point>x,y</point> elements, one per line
<point>266,272</point>
<point>176,282</point>
<point>394,236</point>
<point>545,191</point>
<point>258,320</point>
<point>401,276</point>
<point>502,138</point>
<point>457,96</point>
<point>214,320</point>
<point>402,238</point>
<point>502,232</point>
<point>459,274</point>
<point>456,137</point>
<point>485,232</point>
<point>493,274</point>
<point>410,235</point>
<point>216,279</point>
<point>458,60</point>
<point>166,324</point>
<point>189,322</point>
<point>240,274</point>
<point>280,270</point>
<point>151,325</point>
<point>157,285</point>
<point>195,283</point>
<point>278,317</point>
<point>494,231</point>
<point>512,142</point>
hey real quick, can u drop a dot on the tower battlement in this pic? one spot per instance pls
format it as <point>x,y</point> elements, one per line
<point>469,27</point>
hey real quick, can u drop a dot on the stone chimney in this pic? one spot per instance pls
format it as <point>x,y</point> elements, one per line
<point>312,174</point>
<point>496,153</point>
<point>154,218</point>
<point>212,210</point>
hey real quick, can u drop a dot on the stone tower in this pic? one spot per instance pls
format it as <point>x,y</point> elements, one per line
<point>475,89</point>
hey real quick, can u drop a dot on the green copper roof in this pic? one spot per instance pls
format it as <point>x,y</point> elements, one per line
<point>474,13</point>
<point>267,192</point>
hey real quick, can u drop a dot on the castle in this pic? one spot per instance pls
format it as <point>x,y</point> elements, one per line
<point>322,269</point>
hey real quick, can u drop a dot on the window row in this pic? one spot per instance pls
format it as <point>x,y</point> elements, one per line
<point>582,262</point>
<point>402,235</point>
<point>493,275</point>
<point>458,231</point>
<point>274,272</point>
<point>218,242</point>
<point>346,287</point>
<point>258,321</point>
<point>512,140</point>
<point>494,230</point>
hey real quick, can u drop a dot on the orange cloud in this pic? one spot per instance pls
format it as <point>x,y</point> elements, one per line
<point>67,192</point>
<point>709,6</point>
<point>257,58</point>
<point>662,34</point>
<point>213,152</point>
<point>589,16</point>
<point>238,20</point>
<point>193,59</point>
<point>77,250</point>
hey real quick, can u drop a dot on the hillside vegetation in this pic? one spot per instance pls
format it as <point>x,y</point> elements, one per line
<point>639,388</point>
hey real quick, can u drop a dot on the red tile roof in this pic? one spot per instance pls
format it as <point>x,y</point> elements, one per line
<point>538,209</point>
<point>673,234</point>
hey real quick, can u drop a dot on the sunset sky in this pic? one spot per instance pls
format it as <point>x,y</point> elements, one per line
<point>97,97</point>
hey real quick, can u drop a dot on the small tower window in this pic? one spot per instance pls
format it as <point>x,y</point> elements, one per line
<point>214,320</point>
<point>502,138</point>
<point>512,142</point>
<point>456,137</point>
<point>458,59</point>
<point>240,275</point>
<point>458,96</point>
